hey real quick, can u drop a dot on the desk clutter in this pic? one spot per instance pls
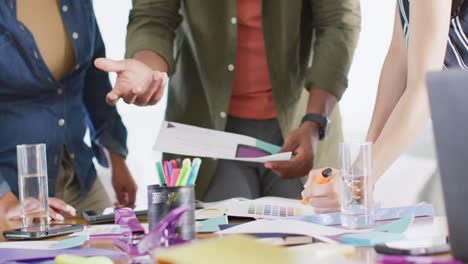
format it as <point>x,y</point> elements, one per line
<point>274,230</point>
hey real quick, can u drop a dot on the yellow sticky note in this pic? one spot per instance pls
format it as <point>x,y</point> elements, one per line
<point>227,250</point>
<point>72,259</point>
<point>322,250</point>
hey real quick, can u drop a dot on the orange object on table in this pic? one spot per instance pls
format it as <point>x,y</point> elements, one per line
<point>323,178</point>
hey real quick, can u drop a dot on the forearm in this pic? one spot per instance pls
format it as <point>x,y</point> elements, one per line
<point>426,50</point>
<point>115,158</point>
<point>402,128</point>
<point>392,81</point>
<point>152,60</point>
<point>321,102</point>
<point>392,84</point>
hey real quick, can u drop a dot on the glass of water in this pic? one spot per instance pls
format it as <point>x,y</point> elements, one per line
<point>357,207</point>
<point>32,183</point>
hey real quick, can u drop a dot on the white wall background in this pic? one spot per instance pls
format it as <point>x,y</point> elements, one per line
<point>356,105</point>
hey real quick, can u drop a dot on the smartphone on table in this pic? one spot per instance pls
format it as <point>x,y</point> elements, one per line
<point>38,232</point>
<point>414,248</point>
<point>107,215</point>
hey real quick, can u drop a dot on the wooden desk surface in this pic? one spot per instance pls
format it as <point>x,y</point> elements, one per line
<point>363,254</point>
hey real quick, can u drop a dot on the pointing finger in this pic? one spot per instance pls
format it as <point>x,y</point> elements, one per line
<point>109,65</point>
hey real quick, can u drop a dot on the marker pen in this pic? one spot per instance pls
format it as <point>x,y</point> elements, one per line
<point>323,178</point>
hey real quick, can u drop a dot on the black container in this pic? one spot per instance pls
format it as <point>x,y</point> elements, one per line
<point>162,199</point>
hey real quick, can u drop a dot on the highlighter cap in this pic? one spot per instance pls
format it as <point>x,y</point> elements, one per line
<point>327,172</point>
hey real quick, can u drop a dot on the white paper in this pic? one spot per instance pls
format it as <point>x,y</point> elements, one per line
<point>99,230</point>
<point>284,226</point>
<point>239,207</point>
<point>188,140</point>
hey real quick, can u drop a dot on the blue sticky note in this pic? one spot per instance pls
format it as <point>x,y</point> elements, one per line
<point>370,238</point>
<point>70,243</point>
<point>397,226</point>
<point>212,225</point>
<point>381,214</point>
<point>273,149</point>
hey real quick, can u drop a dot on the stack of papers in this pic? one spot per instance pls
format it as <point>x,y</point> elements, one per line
<point>284,226</point>
<point>261,208</point>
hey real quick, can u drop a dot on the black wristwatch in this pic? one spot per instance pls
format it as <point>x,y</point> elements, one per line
<point>321,120</point>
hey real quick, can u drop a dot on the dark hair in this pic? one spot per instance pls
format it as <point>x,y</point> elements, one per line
<point>456,7</point>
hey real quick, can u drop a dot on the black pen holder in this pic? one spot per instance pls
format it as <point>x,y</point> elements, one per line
<point>163,199</point>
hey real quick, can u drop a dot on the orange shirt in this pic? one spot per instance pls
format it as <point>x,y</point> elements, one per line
<point>251,93</point>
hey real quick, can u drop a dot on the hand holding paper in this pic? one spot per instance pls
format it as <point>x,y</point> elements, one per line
<point>301,142</point>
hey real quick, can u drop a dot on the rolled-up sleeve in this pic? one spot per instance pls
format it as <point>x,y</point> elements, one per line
<point>106,127</point>
<point>4,187</point>
<point>336,25</point>
<point>151,26</point>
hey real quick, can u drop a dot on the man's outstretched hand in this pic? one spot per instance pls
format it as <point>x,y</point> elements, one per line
<point>136,82</point>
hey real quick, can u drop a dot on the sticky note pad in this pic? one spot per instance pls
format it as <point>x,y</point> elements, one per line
<point>72,259</point>
<point>70,242</point>
<point>212,225</point>
<point>323,250</point>
<point>370,238</point>
<point>397,226</point>
<point>227,250</point>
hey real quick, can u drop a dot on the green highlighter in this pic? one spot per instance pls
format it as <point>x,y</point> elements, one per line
<point>194,173</point>
<point>160,171</point>
<point>185,171</point>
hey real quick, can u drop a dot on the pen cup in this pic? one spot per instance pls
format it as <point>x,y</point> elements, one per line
<point>357,207</point>
<point>32,183</point>
<point>163,199</point>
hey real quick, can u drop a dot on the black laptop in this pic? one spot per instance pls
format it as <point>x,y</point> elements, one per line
<point>448,95</point>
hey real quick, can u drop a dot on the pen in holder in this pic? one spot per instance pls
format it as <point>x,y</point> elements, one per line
<point>162,200</point>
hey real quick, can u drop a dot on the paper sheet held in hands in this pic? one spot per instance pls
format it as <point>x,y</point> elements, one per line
<point>188,140</point>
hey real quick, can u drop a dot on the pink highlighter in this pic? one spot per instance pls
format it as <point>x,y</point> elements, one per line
<point>174,177</point>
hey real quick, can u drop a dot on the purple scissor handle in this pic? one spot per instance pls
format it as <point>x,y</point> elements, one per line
<point>163,234</point>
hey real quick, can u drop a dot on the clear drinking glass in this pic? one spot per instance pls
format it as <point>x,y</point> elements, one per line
<point>357,207</point>
<point>32,183</point>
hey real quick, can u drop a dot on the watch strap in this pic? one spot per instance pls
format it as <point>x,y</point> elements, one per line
<point>319,119</point>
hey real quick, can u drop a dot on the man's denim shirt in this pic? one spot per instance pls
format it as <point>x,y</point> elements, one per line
<point>37,108</point>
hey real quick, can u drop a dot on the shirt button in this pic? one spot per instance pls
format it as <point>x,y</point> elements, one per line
<point>223,114</point>
<point>75,35</point>
<point>233,20</point>
<point>61,122</point>
<point>50,79</point>
<point>59,91</point>
<point>64,8</point>
<point>230,67</point>
<point>77,67</point>
<point>72,155</point>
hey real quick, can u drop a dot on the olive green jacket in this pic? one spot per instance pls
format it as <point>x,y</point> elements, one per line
<point>309,44</point>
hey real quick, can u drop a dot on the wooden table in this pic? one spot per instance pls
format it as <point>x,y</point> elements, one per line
<point>363,254</point>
